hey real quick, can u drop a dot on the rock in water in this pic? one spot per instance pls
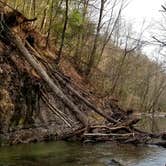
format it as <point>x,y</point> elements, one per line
<point>113,162</point>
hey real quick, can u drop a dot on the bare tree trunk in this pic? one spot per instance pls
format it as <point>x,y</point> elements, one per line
<point>30,8</point>
<point>63,33</point>
<point>50,23</point>
<point>157,94</point>
<point>44,19</point>
<point>81,38</point>
<point>108,34</point>
<point>23,6</point>
<point>93,53</point>
<point>34,8</point>
<point>16,4</point>
<point>117,76</point>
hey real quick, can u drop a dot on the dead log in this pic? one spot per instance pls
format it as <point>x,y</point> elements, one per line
<point>59,78</point>
<point>112,129</point>
<point>110,134</point>
<point>62,114</point>
<point>55,111</point>
<point>129,122</point>
<point>43,74</point>
<point>159,143</point>
<point>97,110</point>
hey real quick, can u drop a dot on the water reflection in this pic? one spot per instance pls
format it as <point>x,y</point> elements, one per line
<point>75,154</point>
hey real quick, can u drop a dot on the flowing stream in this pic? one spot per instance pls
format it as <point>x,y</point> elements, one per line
<point>75,154</point>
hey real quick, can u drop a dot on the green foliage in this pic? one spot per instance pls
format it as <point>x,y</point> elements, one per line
<point>75,19</point>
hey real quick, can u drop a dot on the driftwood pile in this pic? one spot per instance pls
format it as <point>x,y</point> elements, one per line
<point>62,110</point>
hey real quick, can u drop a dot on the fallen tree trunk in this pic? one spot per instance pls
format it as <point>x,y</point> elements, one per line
<point>55,111</point>
<point>90,105</point>
<point>60,78</point>
<point>110,134</point>
<point>43,74</point>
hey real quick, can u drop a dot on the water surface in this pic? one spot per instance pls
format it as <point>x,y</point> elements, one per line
<point>76,154</point>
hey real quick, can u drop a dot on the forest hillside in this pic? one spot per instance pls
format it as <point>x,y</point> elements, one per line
<point>102,47</point>
<point>66,76</point>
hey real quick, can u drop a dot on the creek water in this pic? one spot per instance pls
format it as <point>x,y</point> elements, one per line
<point>75,154</point>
